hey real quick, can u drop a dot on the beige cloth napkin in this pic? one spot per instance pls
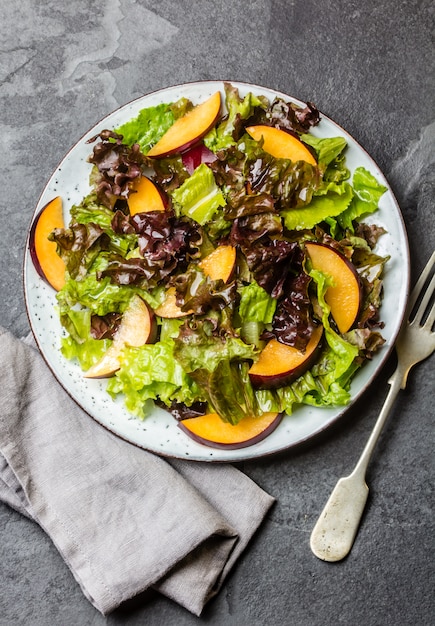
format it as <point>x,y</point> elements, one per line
<point>124,520</point>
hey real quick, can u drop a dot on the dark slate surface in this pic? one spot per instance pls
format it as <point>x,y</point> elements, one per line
<point>368,65</point>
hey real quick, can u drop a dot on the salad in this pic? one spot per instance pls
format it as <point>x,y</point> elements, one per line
<point>244,265</point>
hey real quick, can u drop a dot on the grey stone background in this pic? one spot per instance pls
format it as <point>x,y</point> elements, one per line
<point>368,65</point>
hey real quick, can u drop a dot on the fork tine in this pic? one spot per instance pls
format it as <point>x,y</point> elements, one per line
<point>430,318</point>
<point>429,292</point>
<point>420,282</point>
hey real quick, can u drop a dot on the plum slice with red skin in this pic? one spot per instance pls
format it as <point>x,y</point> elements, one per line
<point>145,196</point>
<point>46,261</point>
<point>212,431</point>
<point>279,364</point>
<point>188,129</point>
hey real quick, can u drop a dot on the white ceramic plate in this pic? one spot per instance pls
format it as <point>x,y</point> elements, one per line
<point>159,433</point>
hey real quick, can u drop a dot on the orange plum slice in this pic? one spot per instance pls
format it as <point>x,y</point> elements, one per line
<point>280,364</point>
<point>189,129</point>
<point>281,144</point>
<point>344,297</point>
<point>47,262</point>
<point>212,431</point>
<point>145,197</point>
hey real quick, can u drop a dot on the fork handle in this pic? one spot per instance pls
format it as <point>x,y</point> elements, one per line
<point>396,385</point>
<point>334,533</point>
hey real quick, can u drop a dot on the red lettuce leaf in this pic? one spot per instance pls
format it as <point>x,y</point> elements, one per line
<point>271,261</point>
<point>287,116</point>
<point>79,245</point>
<point>117,164</point>
<point>166,243</point>
<point>105,326</point>
<point>181,411</point>
<point>198,293</point>
<point>293,323</point>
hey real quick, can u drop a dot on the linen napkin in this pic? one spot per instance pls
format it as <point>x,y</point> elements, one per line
<point>124,520</point>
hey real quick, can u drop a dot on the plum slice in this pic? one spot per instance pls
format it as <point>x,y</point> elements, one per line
<point>189,129</point>
<point>169,307</point>
<point>145,196</point>
<point>344,296</point>
<point>138,327</point>
<point>220,263</point>
<point>212,431</point>
<point>278,364</point>
<point>281,144</point>
<point>43,253</point>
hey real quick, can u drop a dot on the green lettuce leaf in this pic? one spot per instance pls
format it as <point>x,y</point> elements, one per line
<point>79,344</point>
<point>307,389</point>
<point>228,390</point>
<point>256,305</point>
<point>219,366</point>
<point>367,193</point>
<point>221,137</point>
<point>202,350</point>
<point>148,127</point>
<point>256,309</point>
<point>100,296</point>
<point>199,197</point>
<point>328,201</point>
<point>151,372</point>
<point>327,149</point>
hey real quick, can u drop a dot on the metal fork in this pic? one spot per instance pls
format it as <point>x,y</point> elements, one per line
<point>333,535</point>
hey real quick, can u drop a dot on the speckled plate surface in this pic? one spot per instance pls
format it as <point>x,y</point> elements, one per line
<point>159,432</point>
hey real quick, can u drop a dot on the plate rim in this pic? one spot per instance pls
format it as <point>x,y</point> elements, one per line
<point>241,454</point>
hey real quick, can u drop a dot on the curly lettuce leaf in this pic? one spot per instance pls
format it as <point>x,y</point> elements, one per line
<point>200,294</point>
<point>150,373</point>
<point>271,261</point>
<point>256,182</point>
<point>78,246</point>
<point>99,296</point>
<point>116,167</point>
<point>293,324</point>
<point>288,116</point>
<point>307,389</point>
<point>89,211</point>
<point>328,382</point>
<point>166,244</point>
<point>199,348</point>
<point>79,344</point>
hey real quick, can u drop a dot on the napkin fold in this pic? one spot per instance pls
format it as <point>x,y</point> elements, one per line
<point>124,520</point>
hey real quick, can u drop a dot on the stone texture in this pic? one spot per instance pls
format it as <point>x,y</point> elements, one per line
<point>369,66</point>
